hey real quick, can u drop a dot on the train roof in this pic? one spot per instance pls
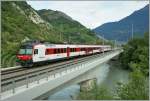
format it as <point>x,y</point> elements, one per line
<point>72,46</point>
<point>30,44</point>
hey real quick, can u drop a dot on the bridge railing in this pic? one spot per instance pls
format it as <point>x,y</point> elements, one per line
<point>46,75</point>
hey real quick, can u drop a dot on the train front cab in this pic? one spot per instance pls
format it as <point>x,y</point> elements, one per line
<point>24,56</point>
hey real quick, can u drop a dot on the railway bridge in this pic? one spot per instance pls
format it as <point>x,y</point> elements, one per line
<point>32,83</point>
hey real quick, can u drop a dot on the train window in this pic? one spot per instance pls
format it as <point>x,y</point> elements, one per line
<point>61,50</point>
<point>64,50</point>
<point>49,51</point>
<point>58,51</point>
<point>55,51</point>
<point>28,51</point>
<point>46,52</point>
<point>35,51</point>
<point>77,49</point>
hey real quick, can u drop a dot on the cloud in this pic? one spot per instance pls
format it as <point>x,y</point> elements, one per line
<point>92,13</point>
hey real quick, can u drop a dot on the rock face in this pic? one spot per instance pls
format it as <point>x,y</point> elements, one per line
<point>52,15</point>
<point>121,30</point>
<point>35,18</point>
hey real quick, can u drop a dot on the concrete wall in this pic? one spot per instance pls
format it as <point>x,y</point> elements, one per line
<point>87,85</point>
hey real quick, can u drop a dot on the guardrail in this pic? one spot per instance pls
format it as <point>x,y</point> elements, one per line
<point>10,68</point>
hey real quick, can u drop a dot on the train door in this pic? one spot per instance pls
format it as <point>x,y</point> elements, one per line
<point>68,52</point>
<point>39,53</point>
<point>87,51</point>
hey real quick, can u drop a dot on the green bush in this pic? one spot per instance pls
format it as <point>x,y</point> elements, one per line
<point>136,55</point>
<point>136,89</point>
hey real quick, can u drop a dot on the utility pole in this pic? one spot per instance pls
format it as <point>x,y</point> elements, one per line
<point>103,39</point>
<point>103,43</point>
<point>115,44</point>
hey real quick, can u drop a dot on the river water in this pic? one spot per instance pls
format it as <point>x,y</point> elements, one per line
<point>108,74</point>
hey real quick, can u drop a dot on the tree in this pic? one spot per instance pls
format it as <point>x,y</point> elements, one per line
<point>136,55</point>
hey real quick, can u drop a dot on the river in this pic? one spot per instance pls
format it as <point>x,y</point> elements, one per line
<point>107,74</point>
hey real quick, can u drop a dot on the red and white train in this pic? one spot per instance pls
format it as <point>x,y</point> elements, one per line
<point>33,53</point>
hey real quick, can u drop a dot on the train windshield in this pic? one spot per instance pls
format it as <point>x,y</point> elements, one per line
<point>25,51</point>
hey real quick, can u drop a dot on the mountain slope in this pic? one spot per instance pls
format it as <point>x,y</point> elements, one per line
<point>122,29</point>
<point>68,26</point>
<point>21,22</point>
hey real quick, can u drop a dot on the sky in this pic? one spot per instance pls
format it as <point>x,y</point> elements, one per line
<point>92,13</point>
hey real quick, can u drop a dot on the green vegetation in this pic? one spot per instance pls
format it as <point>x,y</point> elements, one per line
<point>136,55</point>
<point>136,89</point>
<point>135,58</point>
<point>21,22</point>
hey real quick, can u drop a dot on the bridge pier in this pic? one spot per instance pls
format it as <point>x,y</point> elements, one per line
<point>87,85</point>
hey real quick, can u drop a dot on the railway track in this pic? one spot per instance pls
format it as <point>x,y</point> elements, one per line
<point>5,72</point>
<point>53,65</point>
<point>20,69</point>
<point>20,74</point>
